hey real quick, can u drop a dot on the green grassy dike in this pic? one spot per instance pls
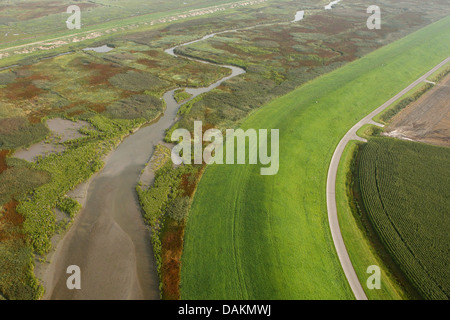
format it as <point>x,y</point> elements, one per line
<point>267,237</point>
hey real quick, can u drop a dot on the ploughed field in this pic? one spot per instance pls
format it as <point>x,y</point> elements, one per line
<point>427,119</point>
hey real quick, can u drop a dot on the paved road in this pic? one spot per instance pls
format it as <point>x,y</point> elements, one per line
<point>344,258</point>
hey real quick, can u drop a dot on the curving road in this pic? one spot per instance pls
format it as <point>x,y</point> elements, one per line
<point>344,258</point>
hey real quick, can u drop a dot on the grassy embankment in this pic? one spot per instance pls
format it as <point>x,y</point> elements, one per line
<point>256,237</point>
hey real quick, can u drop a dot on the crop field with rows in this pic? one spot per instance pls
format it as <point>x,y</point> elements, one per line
<point>406,192</point>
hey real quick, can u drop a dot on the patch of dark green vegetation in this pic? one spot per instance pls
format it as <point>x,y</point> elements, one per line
<point>137,81</point>
<point>17,280</point>
<point>6,77</point>
<point>17,133</point>
<point>17,181</point>
<point>181,95</point>
<point>137,106</point>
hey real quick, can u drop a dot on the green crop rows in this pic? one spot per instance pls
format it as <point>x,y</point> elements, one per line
<point>405,189</point>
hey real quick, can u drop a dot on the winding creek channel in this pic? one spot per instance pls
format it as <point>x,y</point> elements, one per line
<point>109,240</point>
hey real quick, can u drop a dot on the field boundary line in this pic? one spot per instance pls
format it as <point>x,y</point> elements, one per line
<point>333,220</point>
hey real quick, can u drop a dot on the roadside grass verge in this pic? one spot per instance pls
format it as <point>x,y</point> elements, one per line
<point>267,237</point>
<point>440,74</point>
<point>368,130</point>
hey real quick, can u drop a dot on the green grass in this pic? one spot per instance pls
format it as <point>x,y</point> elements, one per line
<point>405,190</point>
<point>267,237</point>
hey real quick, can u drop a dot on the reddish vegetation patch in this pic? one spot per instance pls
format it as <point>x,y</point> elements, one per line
<point>38,76</point>
<point>172,248</point>
<point>75,113</point>
<point>102,72</point>
<point>9,221</point>
<point>152,53</point>
<point>23,89</point>
<point>3,155</point>
<point>331,24</point>
<point>189,183</point>
<point>410,18</point>
<point>11,125</point>
<point>172,245</point>
<point>97,107</point>
<point>126,94</point>
<point>37,117</point>
<point>224,88</point>
<point>346,49</point>
<point>148,63</point>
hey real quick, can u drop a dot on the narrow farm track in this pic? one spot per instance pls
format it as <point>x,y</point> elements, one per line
<point>344,258</point>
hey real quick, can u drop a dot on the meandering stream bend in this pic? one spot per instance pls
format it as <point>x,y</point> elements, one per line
<point>109,240</point>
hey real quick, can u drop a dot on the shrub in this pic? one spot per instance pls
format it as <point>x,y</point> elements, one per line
<point>69,206</point>
<point>179,208</point>
<point>137,106</point>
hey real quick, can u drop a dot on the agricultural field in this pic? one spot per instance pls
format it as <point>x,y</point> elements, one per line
<point>406,195</point>
<point>254,231</point>
<point>425,120</point>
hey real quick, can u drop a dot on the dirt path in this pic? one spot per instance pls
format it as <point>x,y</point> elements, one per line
<point>344,258</point>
